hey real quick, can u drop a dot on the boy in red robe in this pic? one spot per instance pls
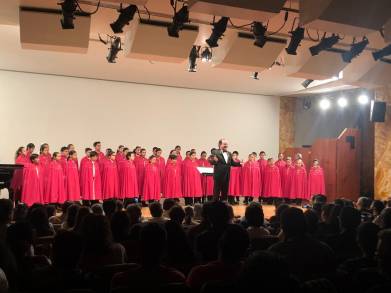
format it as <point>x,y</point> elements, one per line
<point>172,187</point>
<point>207,182</point>
<point>280,162</point>
<point>316,180</point>
<point>128,188</point>
<point>234,188</point>
<point>262,163</point>
<point>72,178</point>
<point>152,185</point>
<point>286,178</point>
<point>97,148</point>
<point>32,190</point>
<point>251,179</point>
<point>299,188</point>
<point>17,180</point>
<point>192,188</point>
<point>161,163</point>
<point>120,156</point>
<point>91,188</point>
<point>140,162</point>
<point>55,188</point>
<point>110,182</point>
<point>271,180</point>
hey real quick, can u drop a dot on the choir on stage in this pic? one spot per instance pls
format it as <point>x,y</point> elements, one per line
<point>132,176</point>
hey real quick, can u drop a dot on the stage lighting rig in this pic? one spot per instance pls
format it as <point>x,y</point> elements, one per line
<point>297,37</point>
<point>324,44</point>
<point>115,47</point>
<point>125,16</point>
<point>206,55</point>
<point>255,75</point>
<point>355,50</point>
<point>259,32</point>
<point>307,82</point>
<point>180,18</point>
<point>217,32</point>
<point>386,51</point>
<point>194,54</point>
<point>68,10</point>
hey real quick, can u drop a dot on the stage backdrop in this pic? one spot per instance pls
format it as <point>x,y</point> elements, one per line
<point>60,110</point>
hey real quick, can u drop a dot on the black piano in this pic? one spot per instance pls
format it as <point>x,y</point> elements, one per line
<point>6,173</point>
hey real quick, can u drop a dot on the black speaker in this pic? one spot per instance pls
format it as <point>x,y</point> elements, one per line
<point>378,111</point>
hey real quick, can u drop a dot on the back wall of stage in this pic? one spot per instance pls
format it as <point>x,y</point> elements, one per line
<point>60,110</point>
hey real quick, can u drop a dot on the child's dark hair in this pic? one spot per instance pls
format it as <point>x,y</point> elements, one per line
<point>96,143</point>
<point>55,154</point>
<point>33,157</point>
<point>129,154</point>
<point>64,148</point>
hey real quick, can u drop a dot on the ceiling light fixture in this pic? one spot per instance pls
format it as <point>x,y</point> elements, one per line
<point>297,37</point>
<point>125,16</point>
<point>68,10</point>
<point>307,82</point>
<point>325,104</point>
<point>194,54</point>
<point>382,53</point>
<point>259,32</point>
<point>180,18</point>
<point>324,44</point>
<point>355,50</point>
<point>218,30</point>
<point>206,55</point>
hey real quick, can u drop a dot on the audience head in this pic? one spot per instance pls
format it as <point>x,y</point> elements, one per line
<point>293,223</point>
<point>177,214</point>
<point>96,234</point>
<point>50,210</point>
<point>80,215</point>
<point>218,217</point>
<point>70,219</point>
<point>155,209</point>
<point>312,221</point>
<point>6,207</point>
<point>367,234</point>
<point>198,211</point>
<point>152,234</point>
<point>233,243</point>
<point>3,282</point>
<point>385,217</point>
<point>20,240</point>
<point>134,213</point>
<point>20,212</point>
<point>109,207</point>
<point>364,203</point>
<point>384,251</point>
<point>349,218</point>
<point>168,203</point>
<point>39,220</point>
<point>189,214</point>
<point>97,209</point>
<point>326,212</point>
<point>120,226</point>
<point>377,207</point>
<point>280,209</point>
<point>254,215</point>
<point>67,248</point>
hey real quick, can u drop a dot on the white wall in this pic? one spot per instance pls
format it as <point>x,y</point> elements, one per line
<point>61,110</point>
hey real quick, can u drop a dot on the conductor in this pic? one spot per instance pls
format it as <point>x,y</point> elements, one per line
<point>222,161</point>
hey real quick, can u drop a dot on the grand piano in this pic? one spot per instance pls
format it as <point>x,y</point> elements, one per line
<point>6,173</point>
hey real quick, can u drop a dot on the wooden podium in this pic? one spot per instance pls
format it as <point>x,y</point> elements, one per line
<point>340,158</point>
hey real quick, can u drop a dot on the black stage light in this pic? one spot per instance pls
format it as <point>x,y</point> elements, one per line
<point>206,55</point>
<point>125,16</point>
<point>325,43</point>
<point>115,47</point>
<point>307,82</point>
<point>355,50</point>
<point>382,53</point>
<point>193,59</point>
<point>217,32</point>
<point>259,31</point>
<point>297,37</point>
<point>254,75</point>
<point>68,9</point>
<point>180,18</point>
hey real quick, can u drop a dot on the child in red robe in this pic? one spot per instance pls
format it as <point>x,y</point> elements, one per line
<point>152,185</point>
<point>286,178</point>
<point>316,180</point>
<point>207,181</point>
<point>299,188</point>
<point>172,187</point>
<point>17,179</point>
<point>55,188</point>
<point>91,188</point>
<point>110,182</point>
<point>64,158</point>
<point>280,162</point>
<point>120,156</point>
<point>72,178</point>
<point>192,188</point>
<point>234,189</point>
<point>71,147</point>
<point>271,180</point>
<point>161,164</point>
<point>262,163</point>
<point>128,188</point>
<point>32,190</point>
<point>44,162</point>
<point>30,147</point>
<point>140,163</point>
<point>97,148</point>
<point>251,179</point>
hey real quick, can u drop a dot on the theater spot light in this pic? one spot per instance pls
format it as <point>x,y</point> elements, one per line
<point>363,99</point>
<point>206,55</point>
<point>259,32</point>
<point>255,75</point>
<point>180,18</point>
<point>355,50</point>
<point>307,82</point>
<point>342,102</point>
<point>115,47</point>
<point>125,16</point>
<point>217,32</point>
<point>324,44</point>
<point>297,37</point>
<point>193,59</point>
<point>324,104</point>
<point>68,9</point>
<point>382,53</point>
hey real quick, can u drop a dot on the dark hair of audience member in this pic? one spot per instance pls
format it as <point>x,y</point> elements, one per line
<point>350,218</point>
<point>120,226</point>
<point>97,209</point>
<point>70,219</point>
<point>333,221</point>
<point>386,218</point>
<point>384,252</point>
<point>312,221</point>
<point>134,214</point>
<point>254,215</point>
<point>67,248</point>
<point>377,207</point>
<point>219,215</point>
<point>367,236</point>
<point>109,207</point>
<point>20,240</point>
<point>50,210</point>
<point>293,223</point>
<point>189,214</point>
<point>168,203</point>
<point>6,206</point>
<point>233,244</point>
<point>38,219</point>
<point>156,209</point>
<point>20,212</point>
<point>150,235</point>
<point>177,214</point>
<point>80,215</point>
<point>96,234</point>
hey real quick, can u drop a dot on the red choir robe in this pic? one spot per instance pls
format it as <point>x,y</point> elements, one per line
<point>76,162</point>
<point>316,181</point>
<point>119,157</point>
<point>172,184</point>
<point>64,162</point>
<point>110,182</point>
<point>72,181</point>
<point>44,163</point>
<point>234,188</point>
<point>251,179</point>
<point>55,188</point>
<point>207,182</point>
<point>152,184</point>
<point>271,182</point>
<point>32,190</point>
<point>128,187</point>
<point>82,162</point>
<point>286,179</point>
<point>90,181</point>
<point>281,165</point>
<point>161,164</point>
<point>298,188</point>
<point>262,166</point>
<point>17,179</point>
<point>140,163</point>
<point>192,180</point>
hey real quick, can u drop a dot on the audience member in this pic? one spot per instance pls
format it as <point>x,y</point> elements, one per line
<point>254,219</point>
<point>155,208</point>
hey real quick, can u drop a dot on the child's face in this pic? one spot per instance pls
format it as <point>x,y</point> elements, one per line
<point>57,157</point>
<point>132,157</point>
<point>94,158</point>
<point>270,162</point>
<point>98,147</point>
<point>74,156</point>
<point>159,153</point>
<point>234,156</point>
<point>88,153</point>
<point>45,150</point>
<point>315,163</point>
<point>153,160</point>
<point>289,162</point>
<point>143,153</point>
<point>36,161</point>
<point>262,156</point>
<point>112,157</point>
<point>251,157</point>
<point>203,156</point>
<point>298,163</point>
<point>23,151</point>
<point>71,147</point>
<point>121,149</point>
<point>65,152</point>
<point>281,156</point>
<point>193,156</point>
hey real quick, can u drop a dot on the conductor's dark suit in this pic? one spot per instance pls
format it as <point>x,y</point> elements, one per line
<point>221,173</point>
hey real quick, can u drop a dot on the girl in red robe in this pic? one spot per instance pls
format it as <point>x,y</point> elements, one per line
<point>91,188</point>
<point>286,178</point>
<point>299,188</point>
<point>55,188</point>
<point>172,187</point>
<point>280,162</point>
<point>97,148</point>
<point>262,163</point>
<point>251,179</point>
<point>17,180</point>
<point>192,188</point>
<point>140,162</point>
<point>128,188</point>
<point>64,158</point>
<point>234,188</point>
<point>271,180</point>
<point>120,156</point>
<point>30,147</point>
<point>110,182</point>
<point>207,182</point>
<point>32,191</point>
<point>316,180</point>
<point>44,162</point>
<point>71,147</point>
<point>152,185</point>
<point>72,178</point>
<point>161,164</point>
